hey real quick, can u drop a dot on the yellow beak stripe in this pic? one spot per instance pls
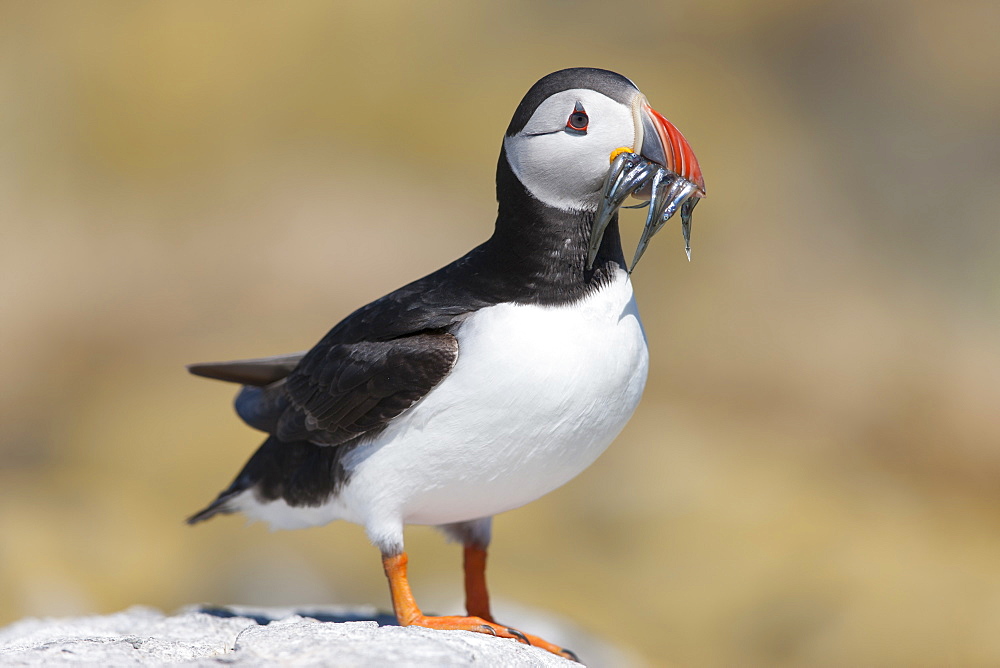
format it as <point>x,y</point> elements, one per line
<point>618,151</point>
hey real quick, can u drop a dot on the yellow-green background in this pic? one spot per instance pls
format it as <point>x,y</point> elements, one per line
<point>812,477</point>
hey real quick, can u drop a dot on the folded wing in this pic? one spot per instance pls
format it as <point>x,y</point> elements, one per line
<point>337,392</point>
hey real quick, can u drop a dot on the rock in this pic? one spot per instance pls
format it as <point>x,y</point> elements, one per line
<point>249,637</point>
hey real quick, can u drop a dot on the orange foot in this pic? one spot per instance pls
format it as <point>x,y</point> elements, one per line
<point>408,614</point>
<point>480,625</point>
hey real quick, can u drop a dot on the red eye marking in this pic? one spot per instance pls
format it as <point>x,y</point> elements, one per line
<point>578,120</point>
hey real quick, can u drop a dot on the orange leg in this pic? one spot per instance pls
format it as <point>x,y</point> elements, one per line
<point>477,598</point>
<point>409,614</point>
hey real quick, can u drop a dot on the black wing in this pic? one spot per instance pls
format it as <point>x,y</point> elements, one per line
<point>260,371</point>
<point>367,370</point>
<point>342,391</point>
<point>338,391</point>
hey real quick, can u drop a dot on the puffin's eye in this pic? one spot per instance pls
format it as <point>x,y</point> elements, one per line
<point>578,120</point>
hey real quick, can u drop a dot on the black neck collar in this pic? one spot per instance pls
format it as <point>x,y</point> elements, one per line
<point>541,251</point>
<point>537,255</point>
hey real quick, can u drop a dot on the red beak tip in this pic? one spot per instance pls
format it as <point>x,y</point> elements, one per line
<point>681,160</point>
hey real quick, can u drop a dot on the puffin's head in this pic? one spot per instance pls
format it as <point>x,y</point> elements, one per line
<point>578,133</point>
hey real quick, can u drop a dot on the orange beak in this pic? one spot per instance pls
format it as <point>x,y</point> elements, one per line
<point>664,144</point>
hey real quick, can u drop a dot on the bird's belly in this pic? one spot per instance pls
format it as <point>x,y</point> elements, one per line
<point>536,395</point>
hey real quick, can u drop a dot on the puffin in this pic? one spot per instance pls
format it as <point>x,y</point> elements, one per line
<point>492,381</point>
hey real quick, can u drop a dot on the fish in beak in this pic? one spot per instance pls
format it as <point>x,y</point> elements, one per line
<point>660,168</point>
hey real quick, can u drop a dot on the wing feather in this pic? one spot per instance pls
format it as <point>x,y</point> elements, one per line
<point>343,390</point>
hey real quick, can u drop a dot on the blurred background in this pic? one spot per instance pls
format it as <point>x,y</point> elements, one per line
<point>811,478</point>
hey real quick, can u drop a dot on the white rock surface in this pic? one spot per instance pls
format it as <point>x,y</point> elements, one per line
<point>144,636</point>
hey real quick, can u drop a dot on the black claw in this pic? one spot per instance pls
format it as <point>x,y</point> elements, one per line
<point>570,654</point>
<point>486,628</point>
<point>520,636</point>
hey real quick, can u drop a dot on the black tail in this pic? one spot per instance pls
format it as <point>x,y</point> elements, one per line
<point>219,506</point>
<point>299,472</point>
<point>223,504</point>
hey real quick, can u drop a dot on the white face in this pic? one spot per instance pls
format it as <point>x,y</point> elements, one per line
<point>564,167</point>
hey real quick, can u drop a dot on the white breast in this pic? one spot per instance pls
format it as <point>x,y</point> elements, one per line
<point>537,394</point>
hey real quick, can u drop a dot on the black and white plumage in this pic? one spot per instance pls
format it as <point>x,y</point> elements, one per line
<point>484,385</point>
